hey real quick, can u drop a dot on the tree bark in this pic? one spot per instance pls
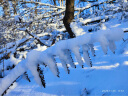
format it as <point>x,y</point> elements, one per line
<point>69,16</point>
<point>6,8</point>
<point>14,5</point>
<point>54,2</point>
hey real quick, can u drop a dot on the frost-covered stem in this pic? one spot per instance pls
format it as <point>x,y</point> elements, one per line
<point>12,76</point>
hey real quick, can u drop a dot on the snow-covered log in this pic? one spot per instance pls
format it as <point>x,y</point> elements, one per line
<point>104,37</point>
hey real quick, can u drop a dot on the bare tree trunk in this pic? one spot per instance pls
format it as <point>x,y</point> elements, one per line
<point>1,74</point>
<point>1,1</point>
<point>6,8</point>
<point>36,9</point>
<point>60,3</point>
<point>69,16</point>
<point>14,2</point>
<point>54,2</point>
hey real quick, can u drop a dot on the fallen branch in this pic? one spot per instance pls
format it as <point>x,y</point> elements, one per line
<point>60,49</point>
<point>92,5</point>
<point>96,19</point>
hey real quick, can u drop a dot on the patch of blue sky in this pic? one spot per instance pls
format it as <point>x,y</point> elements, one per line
<point>1,11</point>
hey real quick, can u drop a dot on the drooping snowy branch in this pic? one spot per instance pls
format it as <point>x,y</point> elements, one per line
<point>104,37</point>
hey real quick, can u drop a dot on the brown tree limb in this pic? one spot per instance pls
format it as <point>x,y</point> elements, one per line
<point>69,16</point>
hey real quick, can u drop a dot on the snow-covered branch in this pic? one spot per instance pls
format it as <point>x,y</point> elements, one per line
<point>44,4</point>
<point>96,19</point>
<point>62,49</point>
<point>12,48</point>
<point>92,4</point>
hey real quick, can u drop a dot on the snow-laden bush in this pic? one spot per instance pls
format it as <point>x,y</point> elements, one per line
<point>62,49</point>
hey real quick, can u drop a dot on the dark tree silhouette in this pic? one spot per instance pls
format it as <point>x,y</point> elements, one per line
<point>69,16</point>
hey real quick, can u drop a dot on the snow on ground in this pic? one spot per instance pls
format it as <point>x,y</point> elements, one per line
<point>108,76</point>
